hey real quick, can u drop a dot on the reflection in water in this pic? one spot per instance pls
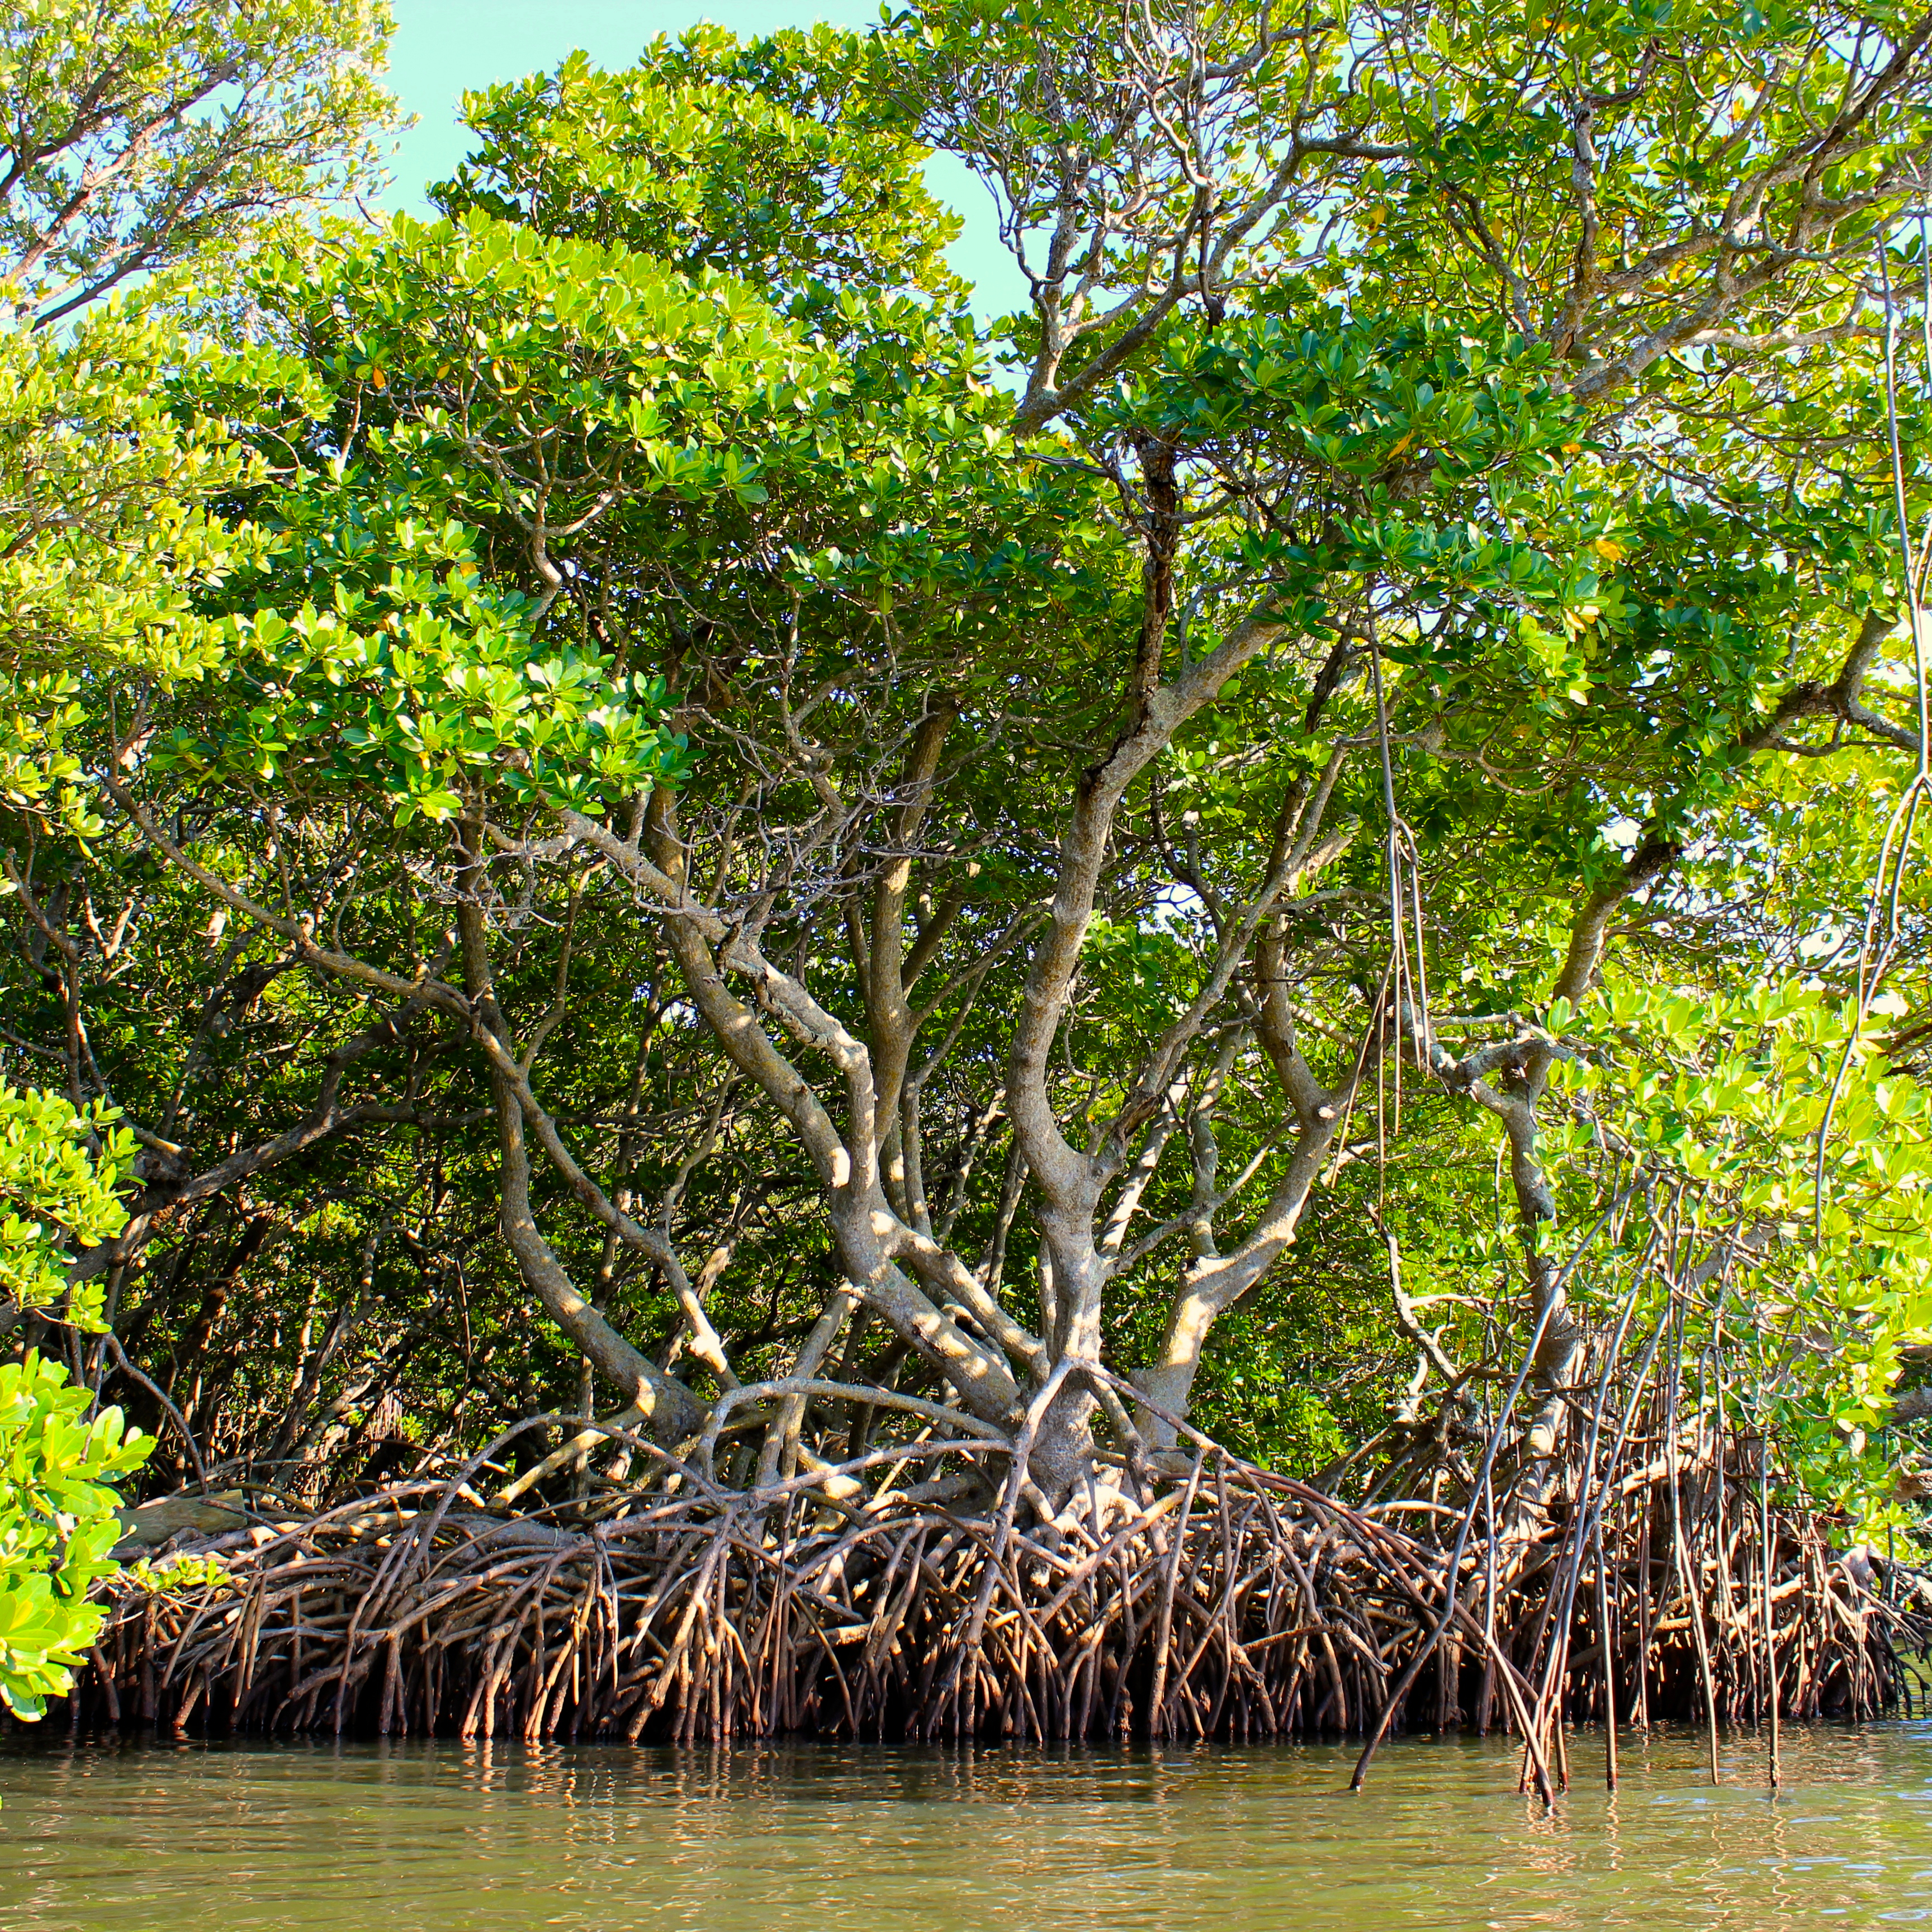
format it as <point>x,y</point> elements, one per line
<point>805,1838</point>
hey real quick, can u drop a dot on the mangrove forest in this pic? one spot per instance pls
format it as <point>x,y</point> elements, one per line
<point>745,991</point>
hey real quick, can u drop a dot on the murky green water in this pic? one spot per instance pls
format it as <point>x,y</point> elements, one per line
<point>815,1840</point>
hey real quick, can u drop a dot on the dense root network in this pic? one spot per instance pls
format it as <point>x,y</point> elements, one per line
<point>1225,1602</point>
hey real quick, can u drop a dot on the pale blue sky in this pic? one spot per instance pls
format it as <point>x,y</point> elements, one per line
<point>443,46</point>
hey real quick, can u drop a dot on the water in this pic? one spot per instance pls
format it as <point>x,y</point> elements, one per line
<point>816,1839</point>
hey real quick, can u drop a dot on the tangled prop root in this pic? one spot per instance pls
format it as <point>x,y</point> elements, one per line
<point>1236,1603</point>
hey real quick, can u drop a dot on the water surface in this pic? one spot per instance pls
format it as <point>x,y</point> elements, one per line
<point>817,1839</point>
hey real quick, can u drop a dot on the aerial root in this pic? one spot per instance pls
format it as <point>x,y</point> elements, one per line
<point>1236,1604</point>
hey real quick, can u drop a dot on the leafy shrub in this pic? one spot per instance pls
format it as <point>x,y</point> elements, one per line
<point>54,1193</point>
<point>57,1525</point>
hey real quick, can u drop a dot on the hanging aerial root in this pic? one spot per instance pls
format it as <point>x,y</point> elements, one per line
<point>1235,1603</point>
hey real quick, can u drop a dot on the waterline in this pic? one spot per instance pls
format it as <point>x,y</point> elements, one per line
<point>814,1838</point>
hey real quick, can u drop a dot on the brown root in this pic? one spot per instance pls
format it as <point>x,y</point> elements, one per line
<point>1233,1603</point>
